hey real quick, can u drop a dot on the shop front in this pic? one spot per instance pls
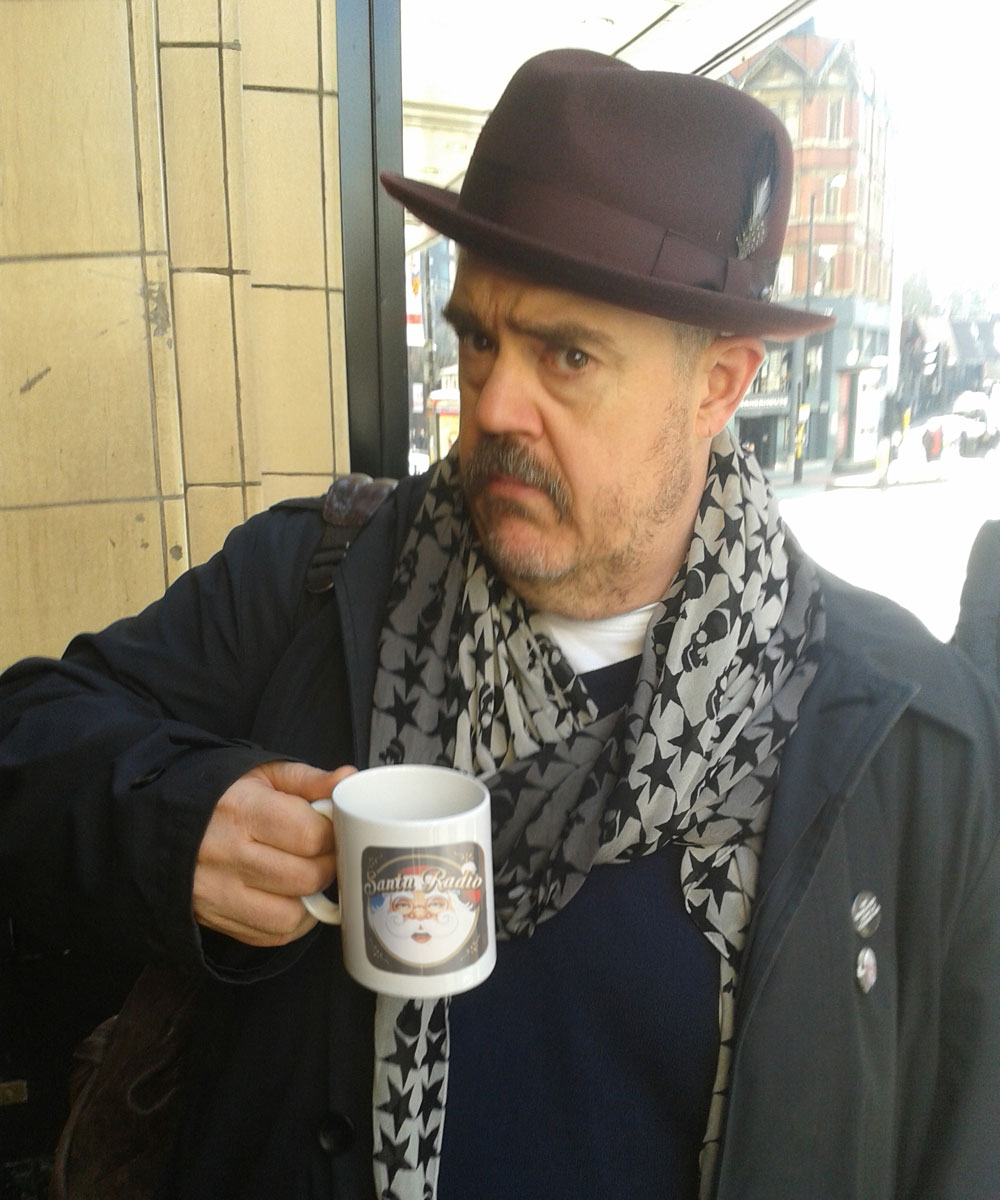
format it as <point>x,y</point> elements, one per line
<point>762,425</point>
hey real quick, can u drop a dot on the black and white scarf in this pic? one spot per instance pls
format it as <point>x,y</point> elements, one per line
<point>466,680</point>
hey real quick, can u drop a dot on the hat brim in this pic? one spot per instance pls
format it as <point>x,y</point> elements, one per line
<point>439,208</point>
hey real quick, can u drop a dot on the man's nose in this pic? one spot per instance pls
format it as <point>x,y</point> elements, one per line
<point>508,400</point>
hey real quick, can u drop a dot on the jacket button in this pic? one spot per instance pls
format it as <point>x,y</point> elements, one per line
<point>336,1134</point>
<point>148,777</point>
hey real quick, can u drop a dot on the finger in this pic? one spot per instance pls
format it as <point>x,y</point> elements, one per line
<point>301,779</point>
<point>286,822</point>
<point>267,869</point>
<point>296,828</point>
<point>252,809</point>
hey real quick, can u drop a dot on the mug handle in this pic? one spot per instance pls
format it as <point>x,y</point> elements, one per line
<point>318,904</point>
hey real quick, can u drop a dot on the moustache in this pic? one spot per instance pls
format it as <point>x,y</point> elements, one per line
<point>502,456</point>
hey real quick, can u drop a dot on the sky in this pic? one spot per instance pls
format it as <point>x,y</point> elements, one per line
<point>937,66</point>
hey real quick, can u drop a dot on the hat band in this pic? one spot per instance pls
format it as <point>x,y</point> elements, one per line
<point>595,232</point>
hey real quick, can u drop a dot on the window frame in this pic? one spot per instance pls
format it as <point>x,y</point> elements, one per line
<point>370,100</point>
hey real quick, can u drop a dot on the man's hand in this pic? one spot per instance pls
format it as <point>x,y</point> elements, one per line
<point>265,847</point>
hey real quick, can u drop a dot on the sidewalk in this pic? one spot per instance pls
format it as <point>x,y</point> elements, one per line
<point>816,477</point>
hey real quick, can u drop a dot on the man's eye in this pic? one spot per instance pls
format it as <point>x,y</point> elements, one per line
<point>573,359</point>
<point>478,343</point>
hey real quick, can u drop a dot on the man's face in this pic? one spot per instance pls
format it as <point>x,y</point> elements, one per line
<point>579,447</point>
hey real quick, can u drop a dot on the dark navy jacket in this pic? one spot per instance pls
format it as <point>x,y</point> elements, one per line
<point>111,761</point>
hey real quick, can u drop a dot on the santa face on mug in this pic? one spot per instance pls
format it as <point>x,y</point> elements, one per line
<point>425,925</point>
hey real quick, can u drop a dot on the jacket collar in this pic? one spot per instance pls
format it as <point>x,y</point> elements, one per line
<point>858,695</point>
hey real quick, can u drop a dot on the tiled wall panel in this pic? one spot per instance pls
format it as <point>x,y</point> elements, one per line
<point>235,158</point>
<point>149,144</point>
<point>212,512</point>
<point>76,422</point>
<point>66,130</point>
<point>338,365</point>
<point>161,340</point>
<point>77,564</point>
<point>285,487</point>
<point>280,54</point>
<point>284,188</point>
<point>292,368</point>
<point>171,309</point>
<point>175,538</point>
<point>247,408</point>
<point>328,43</point>
<point>192,137</point>
<point>331,195</point>
<point>206,375</point>
<point>189,20</point>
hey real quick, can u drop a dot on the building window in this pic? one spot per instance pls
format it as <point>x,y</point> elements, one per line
<point>787,112</point>
<point>784,280</point>
<point>813,363</point>
<point>825,270</point>
<point>790,116</point>
<point>835,120</point>
<point>832,196</point>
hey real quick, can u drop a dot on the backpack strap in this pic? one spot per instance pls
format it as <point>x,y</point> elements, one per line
<point>349,504</point>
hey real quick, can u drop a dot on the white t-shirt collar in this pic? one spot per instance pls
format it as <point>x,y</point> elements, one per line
<point>589,645</point>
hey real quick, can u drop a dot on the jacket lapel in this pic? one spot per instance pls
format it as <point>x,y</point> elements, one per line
<point>845,717</point>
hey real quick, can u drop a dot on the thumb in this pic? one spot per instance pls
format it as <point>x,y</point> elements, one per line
<point>301,779</point>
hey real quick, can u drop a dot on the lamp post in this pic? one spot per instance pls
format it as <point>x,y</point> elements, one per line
<point>836,182</point>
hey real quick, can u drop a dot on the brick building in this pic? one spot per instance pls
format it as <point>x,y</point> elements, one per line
<point>838,251</point>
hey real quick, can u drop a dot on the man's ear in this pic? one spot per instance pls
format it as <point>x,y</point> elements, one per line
<point>730,364</point>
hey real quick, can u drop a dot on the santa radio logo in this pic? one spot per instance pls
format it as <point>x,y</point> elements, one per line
<point>424,913</point>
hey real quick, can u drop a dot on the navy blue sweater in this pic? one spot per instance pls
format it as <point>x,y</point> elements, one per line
<point>603,1028</point>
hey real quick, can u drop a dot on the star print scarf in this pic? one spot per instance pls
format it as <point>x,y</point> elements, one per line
<point>466,680</point>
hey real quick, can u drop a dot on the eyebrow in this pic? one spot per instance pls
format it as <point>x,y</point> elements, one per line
<point>554,333</point>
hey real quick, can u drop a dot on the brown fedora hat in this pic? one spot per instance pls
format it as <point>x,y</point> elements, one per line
<point>655,191</point>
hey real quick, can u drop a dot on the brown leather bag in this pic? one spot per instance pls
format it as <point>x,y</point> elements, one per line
<point>124,1091</point>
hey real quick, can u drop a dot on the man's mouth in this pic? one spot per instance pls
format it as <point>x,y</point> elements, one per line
<point>509,469</point>
<point>510,487</point>
<point>421,937</point>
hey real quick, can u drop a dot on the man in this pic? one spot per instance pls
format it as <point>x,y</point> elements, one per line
<point>745,817</point>
<point>978,629</point>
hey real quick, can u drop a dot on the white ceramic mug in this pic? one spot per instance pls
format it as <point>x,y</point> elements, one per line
<point>414,878</point>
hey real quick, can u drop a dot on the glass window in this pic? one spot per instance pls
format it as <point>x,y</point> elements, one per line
<point>835,119</point>
<point>787,111</point>
<point>898,210</point>
<point>783,284</point>
<point>832,196</point>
